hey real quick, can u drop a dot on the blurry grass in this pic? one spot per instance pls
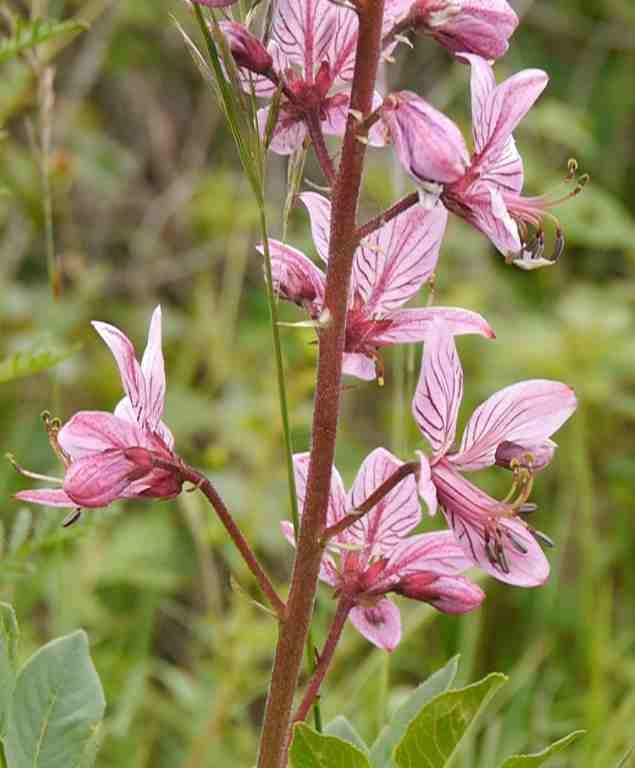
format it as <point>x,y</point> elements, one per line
<point>149,205</point>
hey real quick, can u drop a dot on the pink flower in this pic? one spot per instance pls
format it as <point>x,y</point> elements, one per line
<point>313,53</point>
<point>482,27</point>
<point>512,427</point>
<point>122,455</point>
<point>375,555</point>
<point>484,189</point>
<point>390,266</point>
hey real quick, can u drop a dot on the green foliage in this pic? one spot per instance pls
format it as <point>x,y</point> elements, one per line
<point>433,737</point>
<point>41,356</point>
<point>56,708</point>
<point>395,730</point>
<point>539,758</point>
<point>311,749</point>
<point>8,659</point>
<point>343,729</point>
<point>30,34</point>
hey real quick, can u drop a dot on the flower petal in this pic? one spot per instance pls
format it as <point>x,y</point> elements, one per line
<point>410,325</point>
<point>429,145</point>
<point>129,369</point>
<point>89,432</point>
<point>527,413</point>
<point>425,486</point>
<point>295,277</point>
<point>380,624</point>
<point>440,390</point>
<point>153,369</point>
<point>448,594</point>
<point>469,511</point>
<point>288,133</point>
<point>123,410</point>
<point>328,569</point>
<point>437,553</point>
<point>49,497</point>
<point>488,213</point>
<point>98,479</point>
<point>319,209</point>
<point>381,529</point>
<point>359,365</point>
<point>394,262</point>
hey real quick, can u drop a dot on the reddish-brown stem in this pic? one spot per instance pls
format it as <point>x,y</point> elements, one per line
<point>293,632</point>
<point>390,213</point>
<point>203,484</point>
<point>326,656</point>
<point>314,127</point>
<point>367,123</point>
<point>375,497</point>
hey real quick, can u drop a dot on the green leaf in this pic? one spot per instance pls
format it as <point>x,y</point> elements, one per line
<point>434,735</point>
<point>311,749</point>
<point>57,705</point>
<point>393,732</point>
<point>33,33</point>
<point>343,729</point>
<point>42,356</point>
<point>538,758</point>
<point>9,634</point>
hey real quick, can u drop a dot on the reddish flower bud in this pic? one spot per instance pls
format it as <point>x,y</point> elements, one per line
<point>247,50</point>
<point>535,457</point>
<point>449,594</point>
<point>482,27</point>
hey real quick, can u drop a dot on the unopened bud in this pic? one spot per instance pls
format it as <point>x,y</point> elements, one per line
<point>247,50</point>
<point>448,594</point>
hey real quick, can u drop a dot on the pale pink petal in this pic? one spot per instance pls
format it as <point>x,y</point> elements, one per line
<point>437,553</point>
<point>129,369</point>
<point>337,498</point>
<point>525,413</point>
<point>304,30</point>
<point>381,529</point>
<point>489,214</point>
<point>425,486</point>
<point>505,107</point>
<point>49,497</point>
<point>288,134</point>
<point>505,171</point>
<point>153,369</point>
<point>359,365</point>
<point>319,209</point>
<point>409,325</point>
<point>440,390</point>
<point>89,432</point>
<point>394,262</point>
<point>469,512</point>
<point>296,278</point>
<point>482,84</point>
<point>123,410</point>
<point>380,624</point>
<point>448,594</point>
<point>429,145</point>
<point>99,479</point>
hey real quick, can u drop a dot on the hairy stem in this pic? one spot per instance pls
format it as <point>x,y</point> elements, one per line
<point>375,497</point>
<point>288,657</point>
<point>204,485</point>
<point>390,213</point>
<point>313,688</point>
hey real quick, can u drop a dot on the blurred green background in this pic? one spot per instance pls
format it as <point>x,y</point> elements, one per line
<point>149,205</point>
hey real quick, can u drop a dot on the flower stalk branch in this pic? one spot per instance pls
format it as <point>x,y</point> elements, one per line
<point>314,127</point>
<point>362,509</point>
<point>388,215</point>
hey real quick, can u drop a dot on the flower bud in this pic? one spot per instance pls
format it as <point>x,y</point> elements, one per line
<point>482,27</point>
<point>534,457</point>
<point>247,50</point>
<point>449,594</point>
<point>428,144</point>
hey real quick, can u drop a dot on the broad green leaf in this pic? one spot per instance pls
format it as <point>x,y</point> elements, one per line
<point>343,729</point>
<point>434,735</point>
<point>311,749</point>
<point>42,356</point>
<point>393,732</point>
<point>57,705</point>
<point>9,634</point>
<point>538,758</point>
<point>33,33</point>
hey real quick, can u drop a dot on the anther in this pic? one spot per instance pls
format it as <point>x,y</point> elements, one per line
<point>541,537</point>
<point>558,248</point>
<point>572,166</point>
<point>71,518</point>
<point>527,509</point>
<point>501,558</point>
<point>516,542</point>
